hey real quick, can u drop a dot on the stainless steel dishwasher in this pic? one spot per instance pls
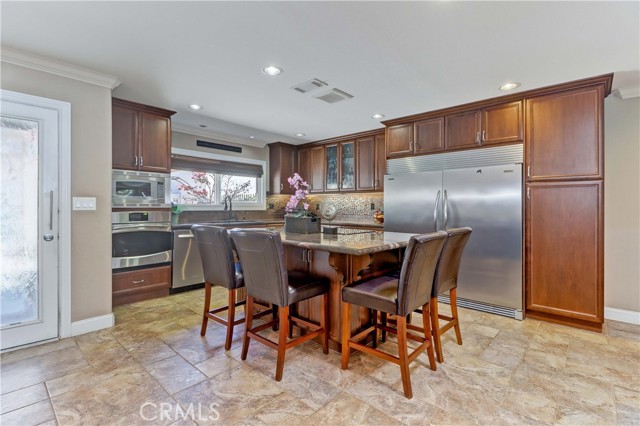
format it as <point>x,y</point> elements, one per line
<point>187,265</point>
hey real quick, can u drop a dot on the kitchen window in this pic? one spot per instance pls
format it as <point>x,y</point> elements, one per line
<point>203,181</point>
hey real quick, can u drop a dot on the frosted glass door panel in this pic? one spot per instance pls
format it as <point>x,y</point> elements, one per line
<point>19,292</point>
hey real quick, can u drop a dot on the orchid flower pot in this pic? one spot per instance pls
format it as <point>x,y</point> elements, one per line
<point>301,225</point>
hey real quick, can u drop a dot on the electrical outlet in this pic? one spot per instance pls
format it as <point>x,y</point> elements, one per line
<point>84,203</point>
<point>373,206</point>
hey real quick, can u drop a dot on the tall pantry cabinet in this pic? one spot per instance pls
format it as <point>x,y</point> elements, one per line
<point>564,218</point>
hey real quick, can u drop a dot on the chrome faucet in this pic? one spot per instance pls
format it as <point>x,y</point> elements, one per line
<point>229,207</point>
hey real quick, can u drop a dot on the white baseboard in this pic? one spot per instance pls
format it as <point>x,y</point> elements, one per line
<point>92,324</point>
<point>622,315</point>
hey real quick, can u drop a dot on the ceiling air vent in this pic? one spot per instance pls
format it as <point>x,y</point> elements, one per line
<point>309,86</point>
<point>335,95</point>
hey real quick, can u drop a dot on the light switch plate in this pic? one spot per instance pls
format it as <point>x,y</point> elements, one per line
<point>84,203</point>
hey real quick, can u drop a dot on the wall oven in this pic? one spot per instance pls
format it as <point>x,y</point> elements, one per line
<point>140,189</point>
<point>140,238</point>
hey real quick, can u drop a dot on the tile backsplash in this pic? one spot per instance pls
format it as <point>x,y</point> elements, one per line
<point>357,205</point>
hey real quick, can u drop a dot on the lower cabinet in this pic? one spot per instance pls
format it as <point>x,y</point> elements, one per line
<point>141,284</point>
<point>564,253</point>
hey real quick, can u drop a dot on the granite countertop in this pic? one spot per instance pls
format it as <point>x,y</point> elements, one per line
<point>356,244</point>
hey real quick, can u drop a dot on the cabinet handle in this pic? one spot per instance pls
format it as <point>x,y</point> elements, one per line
<point>528,171</point>
<point>478,138</point>
<point>304,255</point>
<point>281,186</point>
<point>529,193</point>
<point>141,163</point>
<point>138,282</point>
<point>484,136</point>
<point>136,161</point>
<point>410,145</point>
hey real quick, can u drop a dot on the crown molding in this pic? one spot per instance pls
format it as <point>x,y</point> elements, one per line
<point>52,66</point>
<point>176,127</point>
<point>628,92</point>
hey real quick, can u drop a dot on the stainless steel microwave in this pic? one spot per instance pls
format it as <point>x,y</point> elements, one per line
<point>140,189</point>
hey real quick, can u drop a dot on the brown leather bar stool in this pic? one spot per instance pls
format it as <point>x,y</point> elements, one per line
<point>220,269</point>
<point>266,278</point>
<point>446,279</point>
<point>399,297</point>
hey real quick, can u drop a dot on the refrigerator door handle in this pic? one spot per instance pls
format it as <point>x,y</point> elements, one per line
<point>446,209</point>
<point>435,213</point>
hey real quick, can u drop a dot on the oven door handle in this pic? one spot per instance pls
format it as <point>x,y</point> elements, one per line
<point>140,227</point>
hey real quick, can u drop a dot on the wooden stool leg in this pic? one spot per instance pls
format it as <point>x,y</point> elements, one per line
<point>231,316</point>
<point>207,306</point>
<point>383,320</point>
<point>324,323</point>
<point>454,314</point>
<point>435,328</point>
<point>247,326</point>
<point>283,314</point>
<point>404,356</point>
<point>427,335</point>
<point>346,333</point>
<point>374,320</point>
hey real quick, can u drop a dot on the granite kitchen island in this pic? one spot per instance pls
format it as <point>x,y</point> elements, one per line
<point>345,258</point>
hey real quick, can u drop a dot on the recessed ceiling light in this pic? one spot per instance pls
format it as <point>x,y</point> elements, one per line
<point>195,107</point>
<point>509,86</point>
<point>252,137</point>
<point>272,70</point>
<point>378,116</point>
<point>300,135</point>
<point>202,125</point>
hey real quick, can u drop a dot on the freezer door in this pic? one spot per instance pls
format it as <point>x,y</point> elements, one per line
<point>410,202</point>
<point>489,200</point>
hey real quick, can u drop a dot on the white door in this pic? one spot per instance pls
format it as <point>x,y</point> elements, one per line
<point>28,220</point>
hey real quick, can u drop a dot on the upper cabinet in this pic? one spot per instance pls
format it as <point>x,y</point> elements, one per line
<point>564,134</point>
<point>282,165</point>
<point>492,125</point>
<point>370,163</point>
<point>311,167</point>
<point>420,137</point>
<point>141,137</point>
<point>340,164</point>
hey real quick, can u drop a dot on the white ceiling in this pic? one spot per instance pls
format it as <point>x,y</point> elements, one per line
<point>395,58</point>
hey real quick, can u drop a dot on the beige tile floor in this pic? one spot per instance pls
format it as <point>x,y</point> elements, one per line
<point>154,368</point>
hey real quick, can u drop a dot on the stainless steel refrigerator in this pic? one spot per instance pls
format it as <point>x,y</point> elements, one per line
<point>486,198</point>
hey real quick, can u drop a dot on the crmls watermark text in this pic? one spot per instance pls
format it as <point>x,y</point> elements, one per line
<point>150,412</point>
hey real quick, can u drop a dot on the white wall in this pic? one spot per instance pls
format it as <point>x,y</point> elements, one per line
<point>622,204</point>
<point>90,176</point>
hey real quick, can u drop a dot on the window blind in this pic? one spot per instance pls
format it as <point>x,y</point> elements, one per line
<point>208,165</point>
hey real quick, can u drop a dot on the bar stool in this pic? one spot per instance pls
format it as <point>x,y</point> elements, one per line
<point>220,269</point>
<point>399,297</point>
<point>266,278</point>
<point>446,279</point>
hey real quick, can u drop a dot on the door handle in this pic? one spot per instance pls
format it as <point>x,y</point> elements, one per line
<point>141,163</point>
<point>137,282</point>
<point>435,212</point>
<point>185,236</point>
<point>446,209</point>
<point>484,136</point>
<point>136,160</point>
<point>281,186</point>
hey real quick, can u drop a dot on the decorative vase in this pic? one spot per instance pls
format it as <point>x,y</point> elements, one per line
<point>301,225</point>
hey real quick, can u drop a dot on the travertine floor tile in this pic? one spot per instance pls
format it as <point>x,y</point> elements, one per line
<point>507,372</point>
<point>34,414</point>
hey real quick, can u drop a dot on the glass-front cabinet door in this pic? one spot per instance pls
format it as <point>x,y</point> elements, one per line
<point>347,166</point>
<point>331,161</point>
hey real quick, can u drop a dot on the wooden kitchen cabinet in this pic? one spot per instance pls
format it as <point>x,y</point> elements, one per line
<point>564,252</point>
<point>340,164</point>
<point>371,163</point>
<point>141,284</point>
<point>141,137</point>
<point>418,138</point>
<point>495,124</point>
<point>316,169</point>
<point>565,134</point>
<point>282,165</point>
